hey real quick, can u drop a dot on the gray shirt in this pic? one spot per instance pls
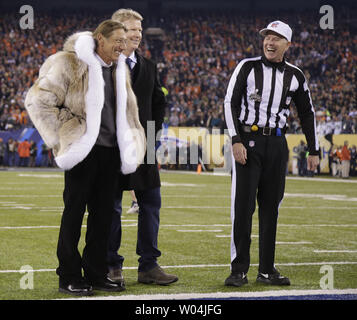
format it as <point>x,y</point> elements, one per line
<point>107,132</point>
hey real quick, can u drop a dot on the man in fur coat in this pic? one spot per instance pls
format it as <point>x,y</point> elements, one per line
<point>85,110</point>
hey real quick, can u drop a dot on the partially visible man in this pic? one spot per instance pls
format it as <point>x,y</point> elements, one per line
<point>345,161</point>
<point>146,180</point>
<point>11,149</point>
<point>256,109</point>
<point>83,106</point>
<point>23,150</point>
<point>2,151</point>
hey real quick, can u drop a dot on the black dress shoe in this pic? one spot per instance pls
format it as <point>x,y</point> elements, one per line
<point>236,279</point>
<point>107,285</point>
<point>76,288</point>
<point>274,278</point>
<point>116,275</point>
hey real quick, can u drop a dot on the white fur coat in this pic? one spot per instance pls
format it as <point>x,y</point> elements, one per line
<point>66,101</point>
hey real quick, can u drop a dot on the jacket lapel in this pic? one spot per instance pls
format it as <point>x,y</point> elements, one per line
<point>138,70</point>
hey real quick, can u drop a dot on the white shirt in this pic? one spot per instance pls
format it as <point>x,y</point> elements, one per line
<point>102,63</point>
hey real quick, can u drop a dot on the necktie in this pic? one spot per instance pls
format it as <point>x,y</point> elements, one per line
<point>128,62</point>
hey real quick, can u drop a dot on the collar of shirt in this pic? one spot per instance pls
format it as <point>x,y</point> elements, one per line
<point>279,65</point>
<point>102,63</point>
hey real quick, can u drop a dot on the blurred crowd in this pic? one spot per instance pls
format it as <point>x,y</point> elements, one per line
<point>200,54</point>
<point>342,160</point>
<point>197,55</point>
<point>15,153</point>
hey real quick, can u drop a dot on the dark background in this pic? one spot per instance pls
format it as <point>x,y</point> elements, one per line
<point>161,6</point>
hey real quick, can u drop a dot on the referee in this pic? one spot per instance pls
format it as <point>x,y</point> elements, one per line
<point>256,110</point>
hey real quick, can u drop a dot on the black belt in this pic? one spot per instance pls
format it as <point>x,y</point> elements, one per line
<point>265,131</point>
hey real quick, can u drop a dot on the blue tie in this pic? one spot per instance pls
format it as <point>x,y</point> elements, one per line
<point>128,62</point>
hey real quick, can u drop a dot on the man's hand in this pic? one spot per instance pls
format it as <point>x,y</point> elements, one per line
<point>312,162</point>
<point>240,153</point>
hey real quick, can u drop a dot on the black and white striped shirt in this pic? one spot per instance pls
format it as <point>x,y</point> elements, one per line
<point>260,92</point>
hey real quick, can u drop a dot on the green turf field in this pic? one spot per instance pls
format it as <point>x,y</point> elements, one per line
<point>317,227</point>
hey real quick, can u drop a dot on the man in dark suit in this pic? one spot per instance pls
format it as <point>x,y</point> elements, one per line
<point>146,180</point>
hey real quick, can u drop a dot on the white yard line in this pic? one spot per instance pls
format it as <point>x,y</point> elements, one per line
<point>31,195</point>
<point>319,207</point>
<point>195,207</point>
<point>194,225</point>
<point>29,227</point>
<point>227,174</point>
<point>334,180</point>
<point>293,242</point>
<point>277,242</point>
<point>287,264</point>
<point>334,197</point>
<point>318,225</point>
<point>228,236</point>
<point>11,203</point>
<point>199,230</point>
<point>34,175</point>
<point>335,251</point>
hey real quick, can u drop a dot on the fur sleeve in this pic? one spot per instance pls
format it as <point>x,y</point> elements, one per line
<point>46,96</point>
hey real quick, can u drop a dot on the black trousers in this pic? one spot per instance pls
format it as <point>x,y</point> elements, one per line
<point>149,201</point>
<point>261,179</point>
<point>89,184</point>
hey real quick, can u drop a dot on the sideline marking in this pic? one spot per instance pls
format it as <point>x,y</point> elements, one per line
<point>223,295</point>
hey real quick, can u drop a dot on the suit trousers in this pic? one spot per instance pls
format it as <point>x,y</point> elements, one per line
<point>149,201</point>
<point>261,179</point>
<point>90,184</point>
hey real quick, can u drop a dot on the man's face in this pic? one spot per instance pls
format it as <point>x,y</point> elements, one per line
<point>274,47</point>
<point>134,34</point>
<point>110,48</point>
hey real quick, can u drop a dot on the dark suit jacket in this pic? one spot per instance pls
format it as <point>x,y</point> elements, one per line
<point>151,103</point>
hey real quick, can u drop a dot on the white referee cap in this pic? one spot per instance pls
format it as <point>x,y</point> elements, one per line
<point>278,27</point>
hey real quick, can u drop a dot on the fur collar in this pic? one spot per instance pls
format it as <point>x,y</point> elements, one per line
<point>125,134</point>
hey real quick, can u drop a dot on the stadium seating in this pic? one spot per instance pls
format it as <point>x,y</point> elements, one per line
<point>198,54</point>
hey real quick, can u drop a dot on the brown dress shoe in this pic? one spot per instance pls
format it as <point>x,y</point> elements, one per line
<point>156,276</point>
<point>116,275</point>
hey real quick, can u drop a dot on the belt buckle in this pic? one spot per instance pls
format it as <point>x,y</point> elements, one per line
<point>266,131</point>
<point>254,128</point>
